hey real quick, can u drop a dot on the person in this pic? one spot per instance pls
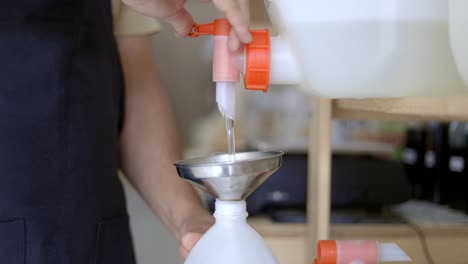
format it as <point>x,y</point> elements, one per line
<point>75,105</point>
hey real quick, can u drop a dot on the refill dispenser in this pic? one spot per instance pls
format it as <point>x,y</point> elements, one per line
<point>349,49</point>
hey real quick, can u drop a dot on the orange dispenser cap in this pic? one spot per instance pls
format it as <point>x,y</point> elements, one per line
<point>257,61</point>
<point>327,252</point>
<point>315,261</point>
<point>257,53</point>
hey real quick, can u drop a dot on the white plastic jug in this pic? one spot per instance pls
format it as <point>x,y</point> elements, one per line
<point>231,240</point>
<point>369,48</point>
<point>459,35</point>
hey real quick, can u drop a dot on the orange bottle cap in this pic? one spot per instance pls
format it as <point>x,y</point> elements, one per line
<point>219,27</point>
<point>327,252</point>
<point>257,61</point>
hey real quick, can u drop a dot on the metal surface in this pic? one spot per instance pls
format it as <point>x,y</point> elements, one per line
<point>230,180</point>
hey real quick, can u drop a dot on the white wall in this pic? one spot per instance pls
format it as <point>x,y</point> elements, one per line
<point>185,75</point>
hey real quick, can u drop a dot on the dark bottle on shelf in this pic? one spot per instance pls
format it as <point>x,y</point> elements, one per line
<point>413,157</point>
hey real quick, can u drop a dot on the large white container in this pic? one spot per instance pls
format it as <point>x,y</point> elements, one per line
<point>231,240</point>
<point>459,35</point>
<point>369,48</point>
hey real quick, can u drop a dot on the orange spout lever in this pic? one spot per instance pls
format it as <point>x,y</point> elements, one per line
<point>220,27</point>
<point>201,29</point>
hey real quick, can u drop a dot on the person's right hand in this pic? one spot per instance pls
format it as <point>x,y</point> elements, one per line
<point>174,12</point>
<point>238,14</point>
<point>192,229</point>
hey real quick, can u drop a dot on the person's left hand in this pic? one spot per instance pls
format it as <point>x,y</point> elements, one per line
<point>192,230</point>
<point>188,241</point>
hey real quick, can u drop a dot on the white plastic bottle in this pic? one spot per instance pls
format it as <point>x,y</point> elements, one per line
<point>231,240</point>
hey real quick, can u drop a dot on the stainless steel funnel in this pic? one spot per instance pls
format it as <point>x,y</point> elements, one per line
<point>230,180</point>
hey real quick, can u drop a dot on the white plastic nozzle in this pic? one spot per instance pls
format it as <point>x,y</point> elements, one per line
<point>391,252</point>
<point>226,98</point>
<point>230,209</point>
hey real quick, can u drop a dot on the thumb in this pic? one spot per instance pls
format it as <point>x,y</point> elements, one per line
<point>182,22</point>
<point>189,240</point>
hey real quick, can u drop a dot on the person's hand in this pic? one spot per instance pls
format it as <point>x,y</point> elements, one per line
<point>174,12</point>
<point>188,241</point>
<point>238,14</point>
<point>192,230</point>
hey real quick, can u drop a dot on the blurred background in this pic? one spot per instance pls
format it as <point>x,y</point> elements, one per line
<point>382,172</point>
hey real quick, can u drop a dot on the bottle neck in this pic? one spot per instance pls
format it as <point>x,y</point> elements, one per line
<point>230,210</point>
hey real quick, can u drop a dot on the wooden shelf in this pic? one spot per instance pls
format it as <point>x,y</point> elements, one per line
<point>437,108</point>
<point>447,244</point>
<point>266,227</point>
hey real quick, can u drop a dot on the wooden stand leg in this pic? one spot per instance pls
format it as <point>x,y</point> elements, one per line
<point>319,176</point>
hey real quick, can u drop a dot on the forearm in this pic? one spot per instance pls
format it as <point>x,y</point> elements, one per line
<point>149,139</point>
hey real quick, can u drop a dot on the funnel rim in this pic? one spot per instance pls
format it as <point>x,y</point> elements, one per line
<point>230,180</point>
<point>186,163</point>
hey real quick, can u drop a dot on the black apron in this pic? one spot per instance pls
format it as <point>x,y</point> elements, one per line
<point>61,94</point>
